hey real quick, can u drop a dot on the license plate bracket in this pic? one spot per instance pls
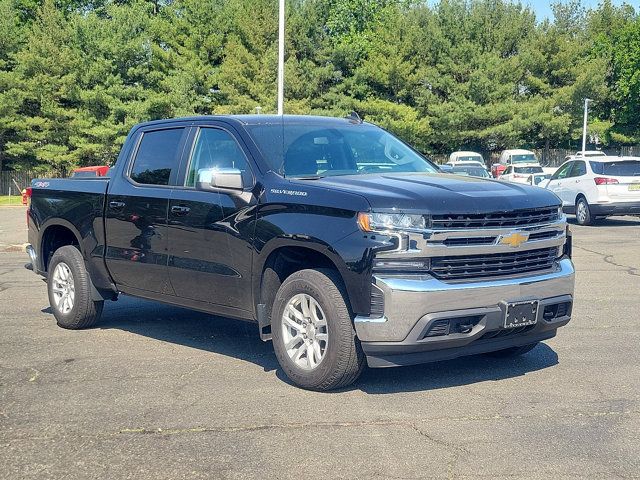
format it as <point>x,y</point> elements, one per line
<point>521,314</point>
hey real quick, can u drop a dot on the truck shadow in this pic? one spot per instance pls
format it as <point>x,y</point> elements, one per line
<point>238,339</point>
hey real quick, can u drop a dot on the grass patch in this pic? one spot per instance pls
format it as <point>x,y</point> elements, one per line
<point>10,200</point>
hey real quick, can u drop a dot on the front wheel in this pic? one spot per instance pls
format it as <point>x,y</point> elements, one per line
<point>583,212</point>
<point>69,290</point>
<point>313,335</point>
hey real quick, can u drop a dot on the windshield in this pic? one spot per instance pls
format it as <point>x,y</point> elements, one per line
<point>470,170</point>
<point>623,168</point>
<point>525,158</point>
<point>470,158</point>
<point>310,151</point>
<point>528,170</point>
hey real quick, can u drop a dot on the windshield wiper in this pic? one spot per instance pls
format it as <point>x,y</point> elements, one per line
<point>310,177</point>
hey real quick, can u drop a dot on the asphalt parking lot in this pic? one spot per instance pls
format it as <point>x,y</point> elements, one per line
<point>164,393</point>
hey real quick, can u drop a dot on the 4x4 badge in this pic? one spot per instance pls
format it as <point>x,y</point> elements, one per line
<point>513,239</point>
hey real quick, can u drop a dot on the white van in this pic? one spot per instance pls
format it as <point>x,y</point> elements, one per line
<point>522,158</point>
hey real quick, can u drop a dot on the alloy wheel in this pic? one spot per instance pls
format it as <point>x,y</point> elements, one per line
<point>581,211</point>
<point>304,331</point>
<point>63,288</point>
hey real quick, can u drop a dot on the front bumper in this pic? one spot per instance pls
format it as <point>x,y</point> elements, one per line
<point>412,306</point>
<point>615,208</point>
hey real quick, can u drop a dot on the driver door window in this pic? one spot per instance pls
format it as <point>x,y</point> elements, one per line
<point>216,148</point>
<point>563,171</point>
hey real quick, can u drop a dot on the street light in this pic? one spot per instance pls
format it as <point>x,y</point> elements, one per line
<point>281,59</point>
<point>584,124</point>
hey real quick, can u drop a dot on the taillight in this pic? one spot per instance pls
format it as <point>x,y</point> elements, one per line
<point>26,200</point>
<point>605,181</point>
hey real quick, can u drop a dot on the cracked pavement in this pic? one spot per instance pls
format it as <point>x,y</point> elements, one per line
<point>160,392</point>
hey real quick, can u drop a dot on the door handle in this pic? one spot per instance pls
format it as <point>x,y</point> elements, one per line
<point>116,205</point>
<point>180,210</point>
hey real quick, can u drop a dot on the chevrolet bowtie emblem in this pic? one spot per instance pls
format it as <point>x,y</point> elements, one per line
<point>514,239</point>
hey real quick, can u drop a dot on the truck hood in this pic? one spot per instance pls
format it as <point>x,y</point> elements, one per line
<point>440,193</point>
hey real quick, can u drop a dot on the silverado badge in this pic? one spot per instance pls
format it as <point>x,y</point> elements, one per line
<point>513,239</point>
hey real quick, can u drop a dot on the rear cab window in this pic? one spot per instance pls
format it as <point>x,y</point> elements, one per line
<point>157,157</point>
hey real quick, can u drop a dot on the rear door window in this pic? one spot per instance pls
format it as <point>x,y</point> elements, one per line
<point>623,168</point>
<point>157,157</point>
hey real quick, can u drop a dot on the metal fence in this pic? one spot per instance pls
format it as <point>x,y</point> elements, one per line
<point>12,182</point>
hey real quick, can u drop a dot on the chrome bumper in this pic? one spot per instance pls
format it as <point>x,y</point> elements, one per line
<point>412,303</point>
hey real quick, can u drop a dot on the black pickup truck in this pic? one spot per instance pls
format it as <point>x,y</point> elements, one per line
<point>341,242</point>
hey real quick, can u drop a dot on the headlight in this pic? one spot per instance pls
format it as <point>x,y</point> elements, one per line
<point>560,212</point>
<point>379,222</point>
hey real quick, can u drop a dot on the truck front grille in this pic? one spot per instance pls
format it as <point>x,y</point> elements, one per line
<point>515,218</point>
<point>493,265</point>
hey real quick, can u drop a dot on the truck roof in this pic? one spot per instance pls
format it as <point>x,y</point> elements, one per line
<point>257,119</point>
<point>518,151</point>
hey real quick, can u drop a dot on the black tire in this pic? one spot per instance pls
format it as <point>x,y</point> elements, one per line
<point>513,351</point>
<point>585,218</point>
<point>343,359</point>
<point>85,312</point>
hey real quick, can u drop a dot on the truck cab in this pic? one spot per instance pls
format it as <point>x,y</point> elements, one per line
<point>344,245</point>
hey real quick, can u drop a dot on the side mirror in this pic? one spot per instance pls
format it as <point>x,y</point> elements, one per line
<point>219,178</point>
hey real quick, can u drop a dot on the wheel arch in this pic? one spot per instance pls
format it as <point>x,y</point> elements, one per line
<point>56,234</point>
<point>284,259</point>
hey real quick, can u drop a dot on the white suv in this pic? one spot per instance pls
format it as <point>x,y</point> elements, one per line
<point>598,187</point>
<point>520,173</point>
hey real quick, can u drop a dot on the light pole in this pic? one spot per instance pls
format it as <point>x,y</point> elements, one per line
<point>281,59</point>
<point>584,124</point>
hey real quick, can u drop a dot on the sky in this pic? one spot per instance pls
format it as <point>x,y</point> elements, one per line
<point>543,8</point>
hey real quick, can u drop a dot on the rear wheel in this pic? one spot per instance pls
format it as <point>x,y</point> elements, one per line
<point>313,335</point>
<point>513,351</point>
<point>69,289</point>
<point>583,212</point>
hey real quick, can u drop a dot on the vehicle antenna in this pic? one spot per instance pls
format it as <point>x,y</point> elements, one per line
<point>353,117</point>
